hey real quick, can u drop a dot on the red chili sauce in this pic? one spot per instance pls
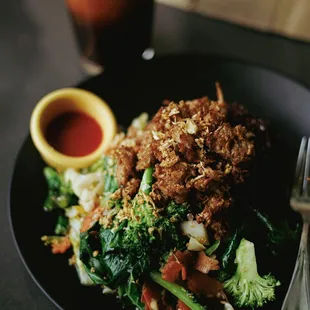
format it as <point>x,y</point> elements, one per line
<point>74,134</point>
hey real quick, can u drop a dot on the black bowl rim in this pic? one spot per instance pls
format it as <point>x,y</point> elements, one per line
<point>229,59</point>
<point>12,228</point>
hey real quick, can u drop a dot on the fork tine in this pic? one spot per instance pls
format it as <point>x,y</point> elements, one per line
<point>306,171</point>
<point>300,168</point>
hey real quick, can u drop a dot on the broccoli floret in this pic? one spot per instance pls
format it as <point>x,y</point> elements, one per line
<point>176,212</point>
<point>281,236</point>
<point>141,227</point>
<point>246,286</point>
<point>149,225</point>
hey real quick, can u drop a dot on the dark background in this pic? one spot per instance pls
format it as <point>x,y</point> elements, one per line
<point>38,54</point>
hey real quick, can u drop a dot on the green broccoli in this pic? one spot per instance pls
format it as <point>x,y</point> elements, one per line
<point>176,212</point>
<point>280,237</point>
<point>178,291</point>
<point>133,242</point>
<point>141,227</point>
<point>60,193</point>
<point>246,287</point>
<point>151,226</point>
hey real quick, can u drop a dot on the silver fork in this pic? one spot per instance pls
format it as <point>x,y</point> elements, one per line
<point>298,294</point>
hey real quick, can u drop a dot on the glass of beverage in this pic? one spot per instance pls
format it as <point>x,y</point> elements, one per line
<point>111,32</point>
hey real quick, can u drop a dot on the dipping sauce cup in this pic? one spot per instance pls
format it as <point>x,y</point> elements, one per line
<point>72,127</point>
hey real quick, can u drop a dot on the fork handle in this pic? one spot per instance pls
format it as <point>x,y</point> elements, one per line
<point>298,294</point>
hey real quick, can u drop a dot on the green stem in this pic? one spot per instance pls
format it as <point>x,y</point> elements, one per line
<point>177,290</point>
<point>210,250</point>
<point>264,220</point>
<point>147,179</point>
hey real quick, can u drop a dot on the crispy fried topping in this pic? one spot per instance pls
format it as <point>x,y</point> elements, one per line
<point>200,150</point>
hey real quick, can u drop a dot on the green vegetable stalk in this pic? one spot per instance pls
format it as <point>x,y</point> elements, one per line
<point>146,182</point>
<point>177,290</point>
<point>210,250</point>
<point>246,287</point>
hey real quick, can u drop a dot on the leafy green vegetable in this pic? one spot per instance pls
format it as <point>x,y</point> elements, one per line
<point>103,257</point>
<point>114,262</point>
<point>62,225</point>
<point>124,249</point>
<point>106,165</point>
<point>246,286</point>
<point>229,253</point>
<point>211,249</point>
<point>127,249</point>
<point>227,258</point>
<point>177,290</point>
<point>281,236</point>
<point>132,292</point>
<point>110,181</point>
<point>60,194</point>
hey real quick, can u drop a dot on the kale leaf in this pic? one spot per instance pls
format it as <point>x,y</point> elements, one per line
<point>60,193</point>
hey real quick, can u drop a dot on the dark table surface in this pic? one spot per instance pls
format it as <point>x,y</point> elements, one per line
<point>38,54</point>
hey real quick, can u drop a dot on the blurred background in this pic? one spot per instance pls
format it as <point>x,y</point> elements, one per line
<point>290,18</point>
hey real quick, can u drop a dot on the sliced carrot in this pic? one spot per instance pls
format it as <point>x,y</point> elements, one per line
<point>91,219</point>
<point>60,247</point>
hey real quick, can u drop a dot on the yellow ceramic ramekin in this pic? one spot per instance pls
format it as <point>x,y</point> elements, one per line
<point>70,100</point>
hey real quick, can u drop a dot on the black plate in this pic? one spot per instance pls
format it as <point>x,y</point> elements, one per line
<point>277,98</point>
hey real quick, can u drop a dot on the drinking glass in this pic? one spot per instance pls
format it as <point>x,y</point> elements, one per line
<point>111,32</point>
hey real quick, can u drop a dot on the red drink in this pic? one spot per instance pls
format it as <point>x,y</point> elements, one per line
<point>112,32</point>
